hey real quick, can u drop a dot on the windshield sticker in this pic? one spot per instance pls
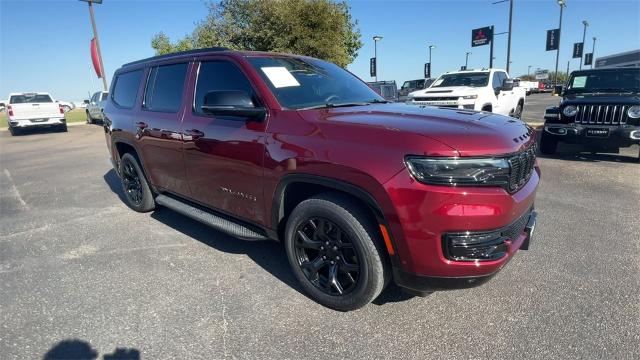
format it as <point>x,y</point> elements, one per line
<point>438,82</point>
<point>280,77</point>
<point>579,82</point>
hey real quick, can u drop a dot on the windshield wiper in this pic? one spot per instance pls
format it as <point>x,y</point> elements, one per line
<point>333,105</point>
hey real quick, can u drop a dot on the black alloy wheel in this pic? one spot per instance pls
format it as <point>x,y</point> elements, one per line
<point>326,256</point>
<point>137,191</point>
<point>131,183</point>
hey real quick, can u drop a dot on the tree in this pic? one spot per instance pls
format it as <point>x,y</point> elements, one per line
<point>317,28</point>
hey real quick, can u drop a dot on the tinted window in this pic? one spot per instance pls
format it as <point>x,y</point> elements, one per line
<point>164,88</point>
<point>219,75</point>
<point>30,98</point>
<point>475,79</point>
<point>497,80</point>
<point>126,88</point>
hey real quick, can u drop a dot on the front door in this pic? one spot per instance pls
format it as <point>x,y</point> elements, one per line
<point>158,127</point>
<point>224,154</point>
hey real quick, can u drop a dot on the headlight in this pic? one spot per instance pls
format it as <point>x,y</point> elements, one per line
<point>458,171</point>
<point>469,97</point>
<point>634,112</point>
<point>570,111</point>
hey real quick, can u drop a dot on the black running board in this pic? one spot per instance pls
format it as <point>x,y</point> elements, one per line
<point>207,218</point>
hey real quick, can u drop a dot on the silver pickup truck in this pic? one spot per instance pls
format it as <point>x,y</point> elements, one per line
<point>30,110</point>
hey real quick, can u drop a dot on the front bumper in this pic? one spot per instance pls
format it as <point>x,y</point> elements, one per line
<point>427,213</point>
<point>593,134</point>
<point>31,123</point>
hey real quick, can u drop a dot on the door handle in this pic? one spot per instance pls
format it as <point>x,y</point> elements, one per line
<point>194,133</point>
<point>141,124</point>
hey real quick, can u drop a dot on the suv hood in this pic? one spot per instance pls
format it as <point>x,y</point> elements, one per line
<point>471,133</point>
<point>447,91</point>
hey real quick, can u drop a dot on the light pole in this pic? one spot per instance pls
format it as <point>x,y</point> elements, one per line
<point>375,52</point>
<point>509,32</point>
<point>593,52</point>
<point>466,60</point>
<point>584,35</point>
<point>430,64</point>
<point>95,36</point>
<point>528,70</point>
<point>562,4</point>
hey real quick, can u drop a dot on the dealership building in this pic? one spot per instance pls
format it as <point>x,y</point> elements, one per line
<point>625,59</point>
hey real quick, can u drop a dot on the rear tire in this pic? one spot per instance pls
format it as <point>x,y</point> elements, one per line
<point>63,128</point>
<point>136,189</point>
<point>89,118</point>
<point>548,144</point>
<point>334,250</point>
<point>14,131</point>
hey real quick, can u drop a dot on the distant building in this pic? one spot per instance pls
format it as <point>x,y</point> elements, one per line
<point>625,59</point>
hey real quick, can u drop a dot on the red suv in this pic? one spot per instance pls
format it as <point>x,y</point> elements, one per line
<point>360,191</point>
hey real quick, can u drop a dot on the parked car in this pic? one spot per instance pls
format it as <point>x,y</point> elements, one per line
<point>66,106</point>
<point>3,105</point>
<point>361,191</point>
<point>95,107</point>
<point>600,109</point>
<point>31,110</point>
<point>410,86</point>
<point>387,89</point>
<point>488,90</point>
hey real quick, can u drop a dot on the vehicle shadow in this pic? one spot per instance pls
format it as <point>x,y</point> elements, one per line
<point>80,349</point>
<point>269,255</point>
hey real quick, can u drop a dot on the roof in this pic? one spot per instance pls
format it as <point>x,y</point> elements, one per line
<point>176,55</point>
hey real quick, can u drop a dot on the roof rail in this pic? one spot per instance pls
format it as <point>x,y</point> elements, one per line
<point>176,54</point>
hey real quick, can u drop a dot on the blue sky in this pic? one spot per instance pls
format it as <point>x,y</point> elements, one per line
<point>44,45</point>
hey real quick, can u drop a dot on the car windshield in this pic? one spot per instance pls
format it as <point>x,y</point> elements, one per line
<point>619,80</point>
<point>473,79</point>
<point>310,83</point>
<point>30,98</point>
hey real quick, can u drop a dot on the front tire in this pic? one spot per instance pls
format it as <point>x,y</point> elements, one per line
<point>136,189</point>
<point>334,250</point>
<point>548,144</point>
<point>518,112</point>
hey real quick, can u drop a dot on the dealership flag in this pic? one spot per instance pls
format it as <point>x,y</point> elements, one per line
<point>94,58</point>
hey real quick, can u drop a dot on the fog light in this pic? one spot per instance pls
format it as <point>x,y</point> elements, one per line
<point>475,246</point>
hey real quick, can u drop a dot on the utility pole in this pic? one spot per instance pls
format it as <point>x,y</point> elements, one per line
<point>509,38</point>
<point>562,4</point>
<point>584,35</point>
<point>491,49</point>
<point>95,36</point>
<point>568,62</point>
<point>528,70</point>
<point>375,53</point>
<point>593,52</point>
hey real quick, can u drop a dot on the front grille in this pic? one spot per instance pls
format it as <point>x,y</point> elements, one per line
<point>602,114</point>
<point>437,98</point>
<point>521,168</point>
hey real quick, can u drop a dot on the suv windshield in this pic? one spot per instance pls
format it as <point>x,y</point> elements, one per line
<point>310,83</point>
<point>618,80</point>
<point>474,79</point>
<point>30,98</point>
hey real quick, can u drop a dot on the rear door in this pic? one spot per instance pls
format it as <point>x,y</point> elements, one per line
<point>158,126</point>
<point>224,154</point>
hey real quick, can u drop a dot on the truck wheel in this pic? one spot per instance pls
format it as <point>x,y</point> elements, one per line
<point>334,251</point>
<point>518,112</point>
<point>548,144</point>
<point>14,131</point>
<point>136,188</point>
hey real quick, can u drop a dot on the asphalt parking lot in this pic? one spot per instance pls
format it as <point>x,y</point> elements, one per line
<point>535,106</point>
<point>80,270</point>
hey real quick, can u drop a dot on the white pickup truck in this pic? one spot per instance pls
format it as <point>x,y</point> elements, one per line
<point>29,110</point>
<point>485,90</point>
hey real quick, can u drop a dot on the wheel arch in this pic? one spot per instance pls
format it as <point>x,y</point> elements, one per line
<point>295,188</point>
